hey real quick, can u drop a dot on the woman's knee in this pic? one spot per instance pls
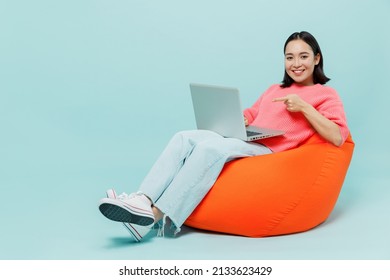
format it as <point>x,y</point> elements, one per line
<point>213,145</point>
<point>184,133</point>
<point>196,135</point>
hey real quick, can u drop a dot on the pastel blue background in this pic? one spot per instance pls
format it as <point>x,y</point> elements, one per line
<point>83,83</point>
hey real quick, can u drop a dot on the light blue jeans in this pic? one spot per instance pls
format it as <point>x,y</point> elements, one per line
<point>188,168</point>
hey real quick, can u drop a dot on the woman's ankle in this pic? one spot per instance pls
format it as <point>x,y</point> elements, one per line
<point>158,215</point>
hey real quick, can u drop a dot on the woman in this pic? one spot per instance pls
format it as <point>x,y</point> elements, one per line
<point>192,161</point>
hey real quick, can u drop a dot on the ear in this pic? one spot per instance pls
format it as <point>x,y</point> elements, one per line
<point>317,59</point>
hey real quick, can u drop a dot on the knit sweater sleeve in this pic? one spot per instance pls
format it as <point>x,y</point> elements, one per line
<point>332,108</point>
<point>252,112</point>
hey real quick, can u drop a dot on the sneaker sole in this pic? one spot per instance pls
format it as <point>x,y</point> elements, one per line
<point>123,213</point>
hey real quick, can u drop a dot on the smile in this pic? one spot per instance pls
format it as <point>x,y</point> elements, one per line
<point>298,72</point>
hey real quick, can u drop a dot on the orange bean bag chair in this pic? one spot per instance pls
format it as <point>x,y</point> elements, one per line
<point>275,194</point>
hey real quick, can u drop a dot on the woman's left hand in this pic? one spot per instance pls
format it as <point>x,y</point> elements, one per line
<point>293,102</point>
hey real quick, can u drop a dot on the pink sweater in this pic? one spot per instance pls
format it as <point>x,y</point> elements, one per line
<point>265,113</point>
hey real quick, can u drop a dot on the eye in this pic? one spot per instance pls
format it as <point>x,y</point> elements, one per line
<point>289,57</point>
<point>304,56</point>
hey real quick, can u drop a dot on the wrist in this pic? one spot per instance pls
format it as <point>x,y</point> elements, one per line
<point>307,109</point>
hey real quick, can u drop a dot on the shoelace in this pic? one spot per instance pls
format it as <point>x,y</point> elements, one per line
<point>124,195</point>
<point>161,227</point>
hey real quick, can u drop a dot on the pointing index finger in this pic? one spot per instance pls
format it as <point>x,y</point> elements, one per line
<point>280,99</point>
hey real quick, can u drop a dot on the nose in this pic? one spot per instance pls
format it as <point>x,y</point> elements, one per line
<point>297,62</point>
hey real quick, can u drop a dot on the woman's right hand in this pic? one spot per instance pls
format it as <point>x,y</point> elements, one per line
<point>246,121</point>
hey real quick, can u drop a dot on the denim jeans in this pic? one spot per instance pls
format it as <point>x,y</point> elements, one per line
<point>188,168</point>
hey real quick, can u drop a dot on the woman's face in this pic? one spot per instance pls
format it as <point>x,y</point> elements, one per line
<point>299,62</point>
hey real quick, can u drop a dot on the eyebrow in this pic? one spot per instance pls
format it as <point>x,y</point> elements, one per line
<point>299,53</point>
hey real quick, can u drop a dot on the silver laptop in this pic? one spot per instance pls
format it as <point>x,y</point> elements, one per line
<point>219,109</point>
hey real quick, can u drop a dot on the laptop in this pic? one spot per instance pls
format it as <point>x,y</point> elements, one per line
<point>219,109</point>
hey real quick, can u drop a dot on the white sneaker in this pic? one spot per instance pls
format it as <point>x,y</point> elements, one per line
<point>135,208</point>
<point>136,231</point>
